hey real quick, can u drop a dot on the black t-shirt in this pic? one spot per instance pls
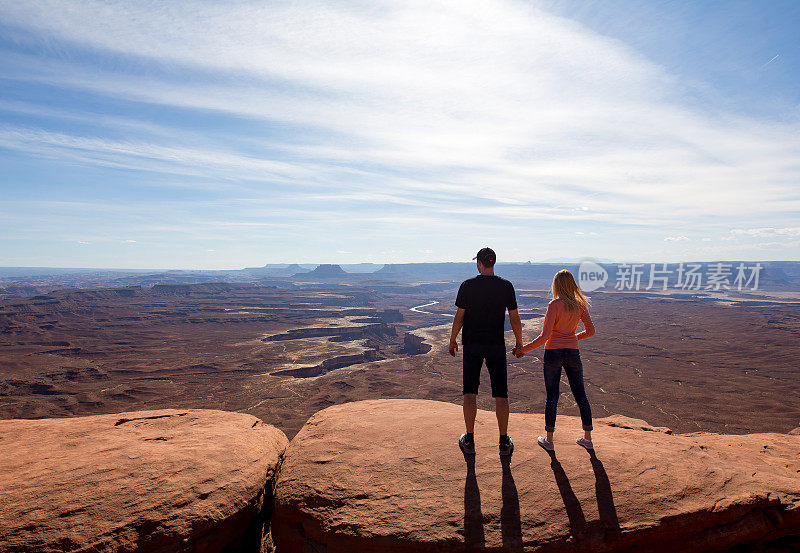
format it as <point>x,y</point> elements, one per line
<point>485,299</point>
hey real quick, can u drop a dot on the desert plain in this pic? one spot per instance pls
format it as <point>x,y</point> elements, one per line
<point>283,348</point>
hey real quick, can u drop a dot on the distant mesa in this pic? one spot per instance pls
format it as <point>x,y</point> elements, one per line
<point>326,271</point>
<point>278,269</point>
<point>289,270</point>
<point>391,269</point>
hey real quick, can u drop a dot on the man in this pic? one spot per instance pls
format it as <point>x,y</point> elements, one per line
<point>482,302</point>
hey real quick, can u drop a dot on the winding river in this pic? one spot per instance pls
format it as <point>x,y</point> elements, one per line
<point>419,309</point>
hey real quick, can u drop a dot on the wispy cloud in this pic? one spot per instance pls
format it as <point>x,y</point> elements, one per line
<point>767,231</point>
<point>430,114</point>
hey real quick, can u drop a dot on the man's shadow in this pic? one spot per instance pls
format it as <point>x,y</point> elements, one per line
<point>510,523</point>
<point>473,517</point>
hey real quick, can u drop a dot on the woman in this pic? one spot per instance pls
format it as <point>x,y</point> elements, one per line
<point>569,306</point>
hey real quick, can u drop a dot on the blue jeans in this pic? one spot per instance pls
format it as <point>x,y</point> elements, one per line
<point>570,360</point>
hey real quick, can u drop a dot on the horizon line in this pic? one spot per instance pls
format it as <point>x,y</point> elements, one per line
<point>277,265</point>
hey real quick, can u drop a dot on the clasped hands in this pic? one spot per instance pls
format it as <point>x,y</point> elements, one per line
<point>518,351</point>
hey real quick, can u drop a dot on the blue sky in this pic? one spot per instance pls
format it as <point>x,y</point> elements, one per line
<point>223,135</point>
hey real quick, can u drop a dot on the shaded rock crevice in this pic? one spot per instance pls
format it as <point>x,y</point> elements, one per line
<point>152,417</point>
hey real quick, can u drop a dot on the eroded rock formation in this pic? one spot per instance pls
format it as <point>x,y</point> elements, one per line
<point>415,345</point>
<point>167,481</point>
<point>387,475</point>
<point>331,364</point>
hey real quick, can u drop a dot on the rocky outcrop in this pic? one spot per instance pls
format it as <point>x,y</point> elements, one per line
<point>170,480</point>
<point>387,475</point>
<point>331,364</point>
<point>391,316</point>
<point>415,345</point>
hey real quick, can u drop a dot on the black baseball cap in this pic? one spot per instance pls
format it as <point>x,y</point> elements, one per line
<point>486,256</point>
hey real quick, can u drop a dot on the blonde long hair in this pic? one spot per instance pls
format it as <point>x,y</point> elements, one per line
<point>566,289</point>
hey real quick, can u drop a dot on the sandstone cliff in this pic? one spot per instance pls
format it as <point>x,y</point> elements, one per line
<point>387,476</point>
<point>162,481</point>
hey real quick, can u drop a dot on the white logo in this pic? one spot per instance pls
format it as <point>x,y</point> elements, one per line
<point>591,276</point>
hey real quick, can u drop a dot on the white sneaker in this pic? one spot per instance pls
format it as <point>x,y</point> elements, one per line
<point>585,443</point>
<point>547,445</point>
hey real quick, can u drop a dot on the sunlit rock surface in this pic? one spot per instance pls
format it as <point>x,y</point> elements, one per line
<point>387,475</point>
<point>170,480</point>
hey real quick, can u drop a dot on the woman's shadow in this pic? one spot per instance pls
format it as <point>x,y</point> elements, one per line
<point>605,498</point>
<point>577,520</point>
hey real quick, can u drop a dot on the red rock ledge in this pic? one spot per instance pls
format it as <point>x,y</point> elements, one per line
<point>387,476</point>
<point>171,480</point>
